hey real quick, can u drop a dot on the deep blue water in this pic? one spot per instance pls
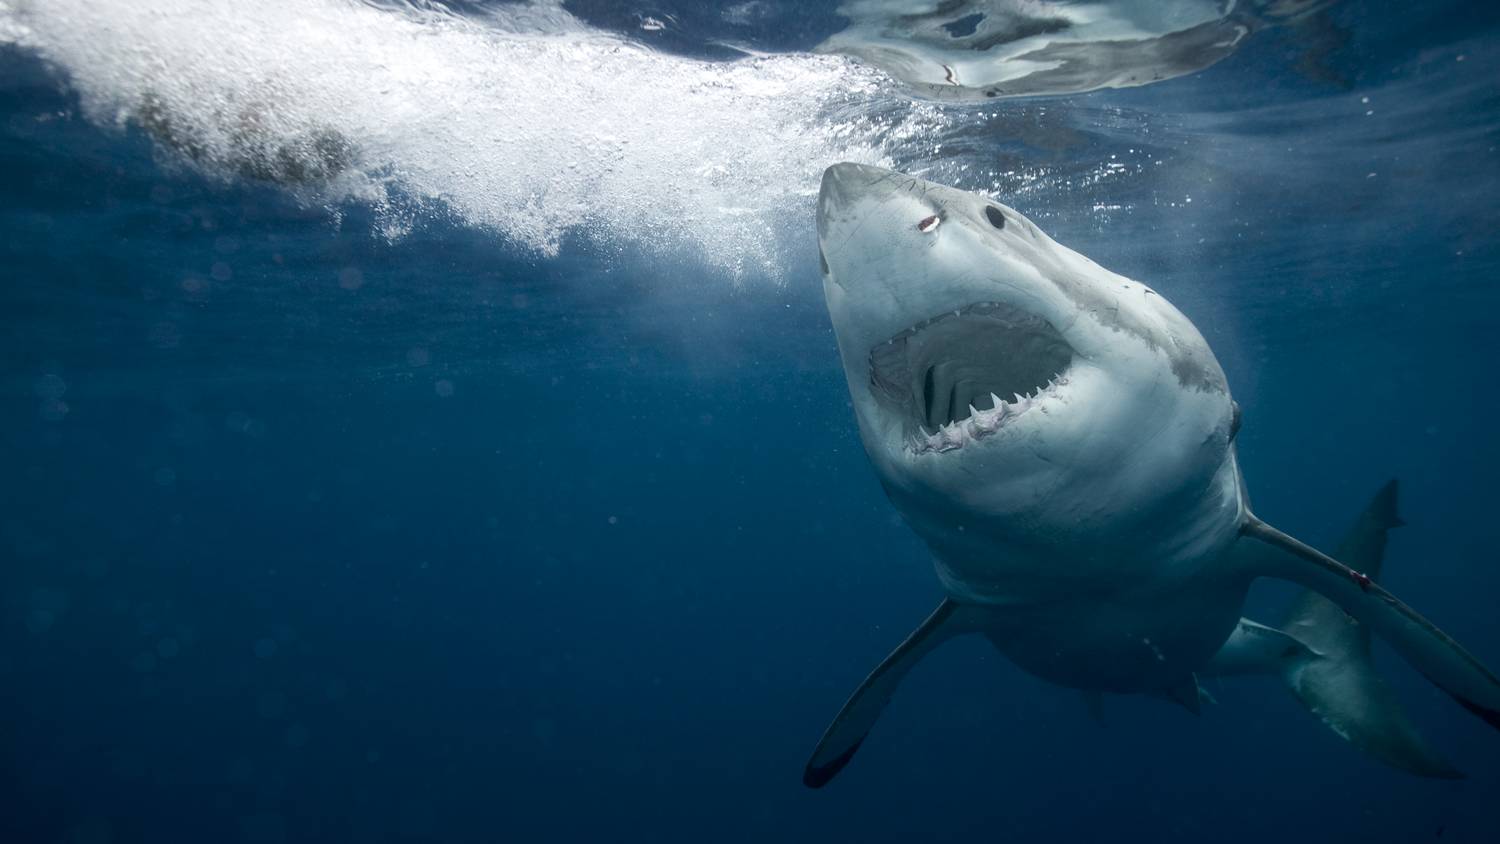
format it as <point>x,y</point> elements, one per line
<point>312,531</point>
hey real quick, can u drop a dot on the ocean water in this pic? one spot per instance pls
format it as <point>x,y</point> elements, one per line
<point>422,423</point>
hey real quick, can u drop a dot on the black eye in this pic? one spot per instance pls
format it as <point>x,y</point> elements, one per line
<point>822,261</point>
<point>993,214</point>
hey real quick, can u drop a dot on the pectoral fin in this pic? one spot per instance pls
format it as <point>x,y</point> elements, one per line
<point>1323,655</point>
<point>1432,652</point>
<point>849,728</point>
<point>1341,687</point>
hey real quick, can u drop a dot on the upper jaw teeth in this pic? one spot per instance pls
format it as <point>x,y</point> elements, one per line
<point>980,423</point>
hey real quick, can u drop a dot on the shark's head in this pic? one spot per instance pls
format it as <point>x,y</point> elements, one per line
<point>1002,379</point>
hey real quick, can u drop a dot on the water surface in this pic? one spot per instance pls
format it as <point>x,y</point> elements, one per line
<point>424,425</point>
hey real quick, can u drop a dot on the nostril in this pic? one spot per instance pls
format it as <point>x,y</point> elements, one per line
<point>928,224</point>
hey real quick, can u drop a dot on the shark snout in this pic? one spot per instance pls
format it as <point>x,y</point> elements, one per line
<point>843,185</point>
<point>843,181</point>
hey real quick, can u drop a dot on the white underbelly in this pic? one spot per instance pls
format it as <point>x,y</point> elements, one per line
<point>1123,642</point>
<point>1003,564</point>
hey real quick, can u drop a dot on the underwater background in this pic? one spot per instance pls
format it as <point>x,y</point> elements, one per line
<point>422,423</point>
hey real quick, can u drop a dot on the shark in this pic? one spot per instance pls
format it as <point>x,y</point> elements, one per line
<point>1062,438</point>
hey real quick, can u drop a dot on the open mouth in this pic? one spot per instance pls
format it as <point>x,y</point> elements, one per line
<point>963,375</point>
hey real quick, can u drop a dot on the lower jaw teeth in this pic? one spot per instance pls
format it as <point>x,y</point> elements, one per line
<point>980,423</point>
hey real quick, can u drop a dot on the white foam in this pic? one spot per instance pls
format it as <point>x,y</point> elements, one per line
<point>526,122</point>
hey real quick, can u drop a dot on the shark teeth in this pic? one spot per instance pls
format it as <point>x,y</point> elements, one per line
<point>980,423</point>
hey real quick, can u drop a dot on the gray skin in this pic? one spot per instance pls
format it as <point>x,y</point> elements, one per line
<point>1061,437</point>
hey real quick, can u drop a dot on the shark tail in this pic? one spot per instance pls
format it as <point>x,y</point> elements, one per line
<point>1323,655</point>
<point>1341,686</point>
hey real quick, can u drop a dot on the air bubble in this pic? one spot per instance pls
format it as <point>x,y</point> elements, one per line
<point>525,121</point>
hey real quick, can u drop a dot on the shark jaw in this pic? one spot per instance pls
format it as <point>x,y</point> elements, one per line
<point>1006,386</point>
<point>957,344</point>
<point>961,376</point>
<point>941,358</point>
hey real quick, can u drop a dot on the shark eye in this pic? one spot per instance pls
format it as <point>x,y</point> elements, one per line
<point>928,224</point>
<point>993,214</point>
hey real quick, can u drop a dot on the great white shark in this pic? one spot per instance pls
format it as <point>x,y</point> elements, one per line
<point>1062,438</point>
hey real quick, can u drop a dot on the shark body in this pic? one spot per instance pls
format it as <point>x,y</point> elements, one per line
<point>1062,438</point>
